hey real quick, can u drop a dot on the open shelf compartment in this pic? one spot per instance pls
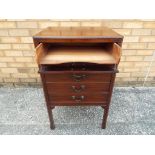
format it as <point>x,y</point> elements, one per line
<point>91,53</point>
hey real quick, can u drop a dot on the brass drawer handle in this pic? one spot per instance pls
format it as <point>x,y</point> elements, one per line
<point>78,98</point>
<point>77,90</point>
<point>78,77</point>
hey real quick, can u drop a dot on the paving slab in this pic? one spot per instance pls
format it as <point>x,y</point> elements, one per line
<point>23,112</point>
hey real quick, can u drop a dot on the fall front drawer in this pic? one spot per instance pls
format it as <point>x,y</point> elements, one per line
<point>83,76</point>
<point>76,87</point>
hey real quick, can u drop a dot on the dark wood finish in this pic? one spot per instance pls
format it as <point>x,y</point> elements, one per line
<point>106,108</point>
<point>101,103</point>
<point>78,66</point>
<point>77,34</point>
<point>74,87</point>
<point>48,105</point>
<point>79,98</point>
<point>77,76</point>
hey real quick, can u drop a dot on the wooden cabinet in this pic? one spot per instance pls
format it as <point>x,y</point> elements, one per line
<point>78,66</point>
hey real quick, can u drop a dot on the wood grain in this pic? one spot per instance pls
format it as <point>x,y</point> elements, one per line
<point>67,98</point>
<point>58,55</point>
<point>77,34</point>
<point>68,77</point>
<point>65,88</point>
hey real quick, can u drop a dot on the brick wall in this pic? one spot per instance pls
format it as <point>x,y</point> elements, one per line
<point>18,66</point>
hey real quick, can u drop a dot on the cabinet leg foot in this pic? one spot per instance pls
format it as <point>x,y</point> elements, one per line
<point>52,126</point>
<point>105,116</point>
<point>50,115</point>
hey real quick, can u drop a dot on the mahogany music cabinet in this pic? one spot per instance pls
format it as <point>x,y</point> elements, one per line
<point>78,66</point>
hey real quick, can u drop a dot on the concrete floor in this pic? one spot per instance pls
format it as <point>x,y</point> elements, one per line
<point>23,111</point>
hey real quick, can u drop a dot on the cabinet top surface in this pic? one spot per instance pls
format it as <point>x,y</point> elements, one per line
<point>77,32</point>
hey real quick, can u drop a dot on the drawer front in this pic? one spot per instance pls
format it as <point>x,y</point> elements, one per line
<point>78,99</point>
<point>67,88</point>
<point>78,77</point>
